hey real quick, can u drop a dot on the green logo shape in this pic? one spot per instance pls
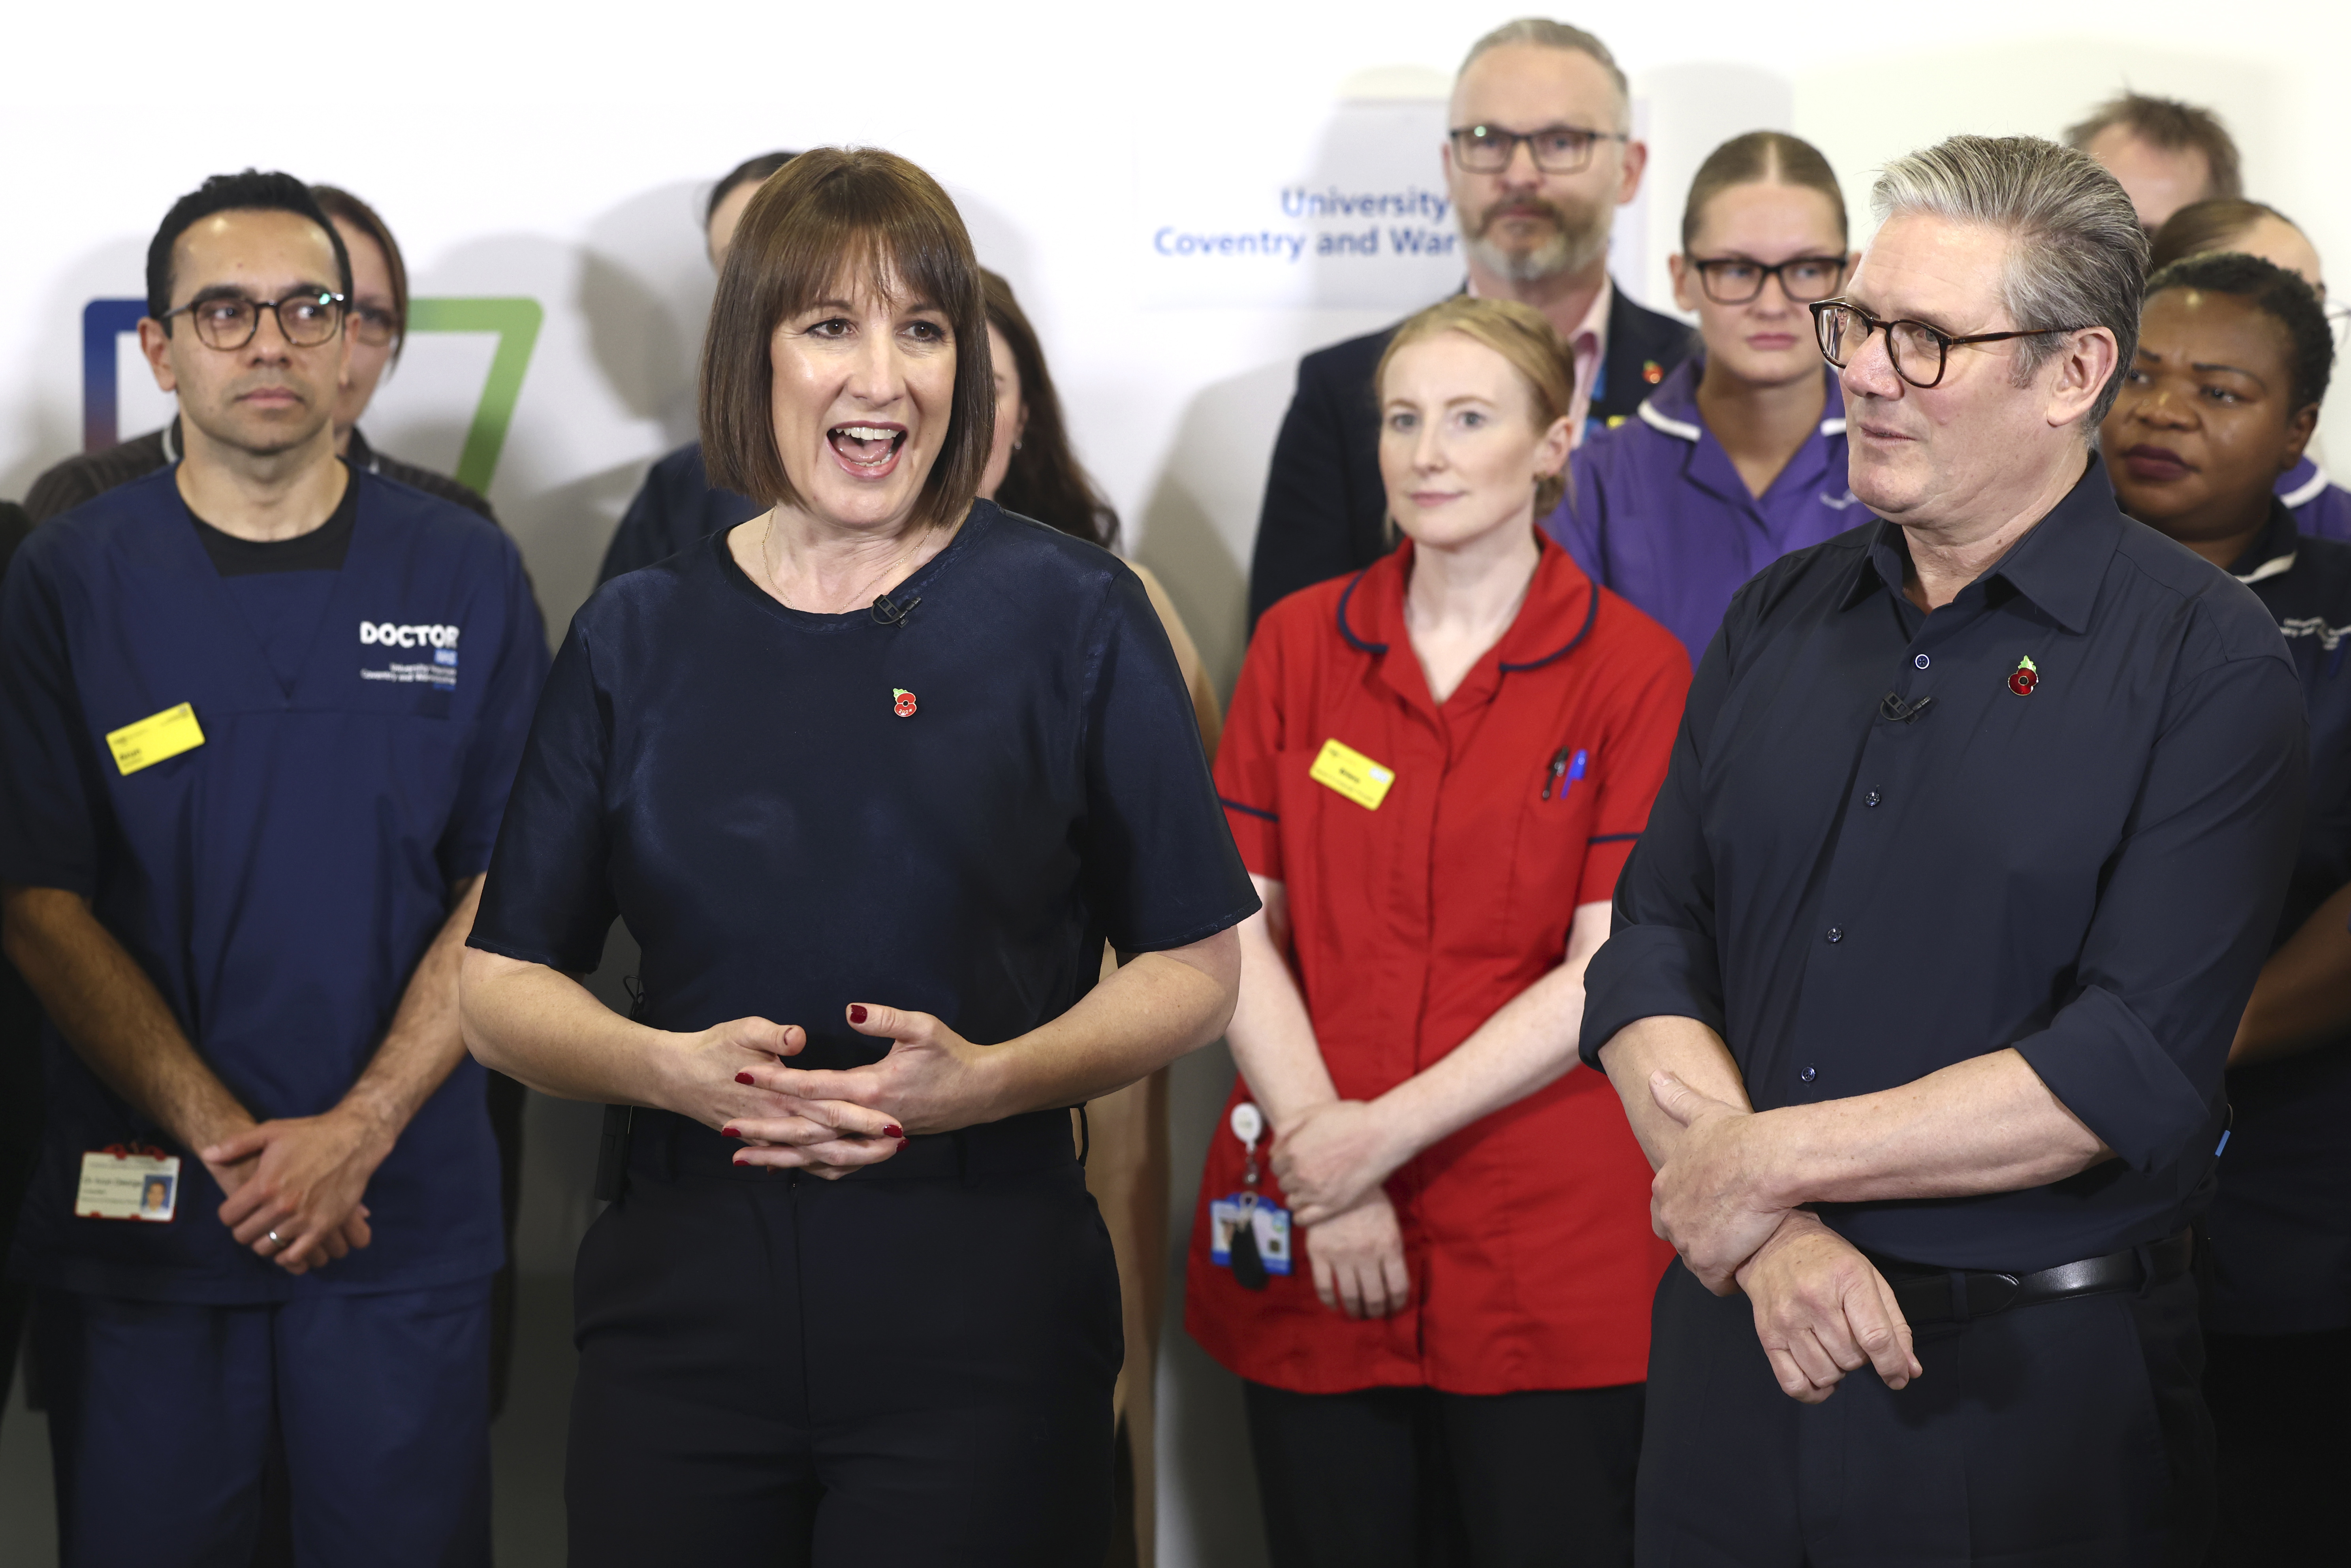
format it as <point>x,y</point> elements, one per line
<point>516,322</point>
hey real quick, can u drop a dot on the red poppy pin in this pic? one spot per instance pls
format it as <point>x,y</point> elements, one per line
<point>2024,677</point>
<point>1652,371</point>
<point>904,705</point>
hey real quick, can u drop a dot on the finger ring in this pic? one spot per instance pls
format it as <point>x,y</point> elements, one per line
<point>277,1238</point>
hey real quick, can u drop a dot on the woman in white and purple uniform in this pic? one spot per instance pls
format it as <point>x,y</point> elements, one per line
<point>1739,457</point>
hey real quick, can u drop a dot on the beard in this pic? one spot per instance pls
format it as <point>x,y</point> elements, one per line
<point>1573,237</point>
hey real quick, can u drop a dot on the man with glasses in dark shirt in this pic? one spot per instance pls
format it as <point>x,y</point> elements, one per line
<point>1539,157</point>
<point>376,326</point>
<point>259,714</point>
<point>1925,971</point>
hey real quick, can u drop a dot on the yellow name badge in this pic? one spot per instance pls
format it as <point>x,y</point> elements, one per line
<point>155,738</point>
<point>1351,774</point>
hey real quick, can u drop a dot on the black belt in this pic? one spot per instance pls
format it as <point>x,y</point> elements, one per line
<point>1929,1295</point>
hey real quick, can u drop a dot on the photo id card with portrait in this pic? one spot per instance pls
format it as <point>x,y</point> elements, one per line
<point>129,1184</point>
<point>1269,1228</point>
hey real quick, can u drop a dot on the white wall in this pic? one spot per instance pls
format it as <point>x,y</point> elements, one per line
<point>559,153</point>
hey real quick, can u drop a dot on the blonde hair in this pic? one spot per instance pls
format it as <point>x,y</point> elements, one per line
<point>1521,335</point>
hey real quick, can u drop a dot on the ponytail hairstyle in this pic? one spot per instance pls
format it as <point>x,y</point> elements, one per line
<point>1761,158</point>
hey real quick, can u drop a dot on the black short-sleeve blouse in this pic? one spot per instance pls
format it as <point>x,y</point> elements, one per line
<point>795,812</point>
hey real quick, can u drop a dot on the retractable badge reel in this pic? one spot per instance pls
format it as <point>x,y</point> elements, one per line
<point>1245,1233</point>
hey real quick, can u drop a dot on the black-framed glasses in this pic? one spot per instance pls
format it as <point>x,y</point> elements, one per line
<point>1736,280</point>
<point>1919,353</point>
<point>1556,149</point>
<point>229,321</point>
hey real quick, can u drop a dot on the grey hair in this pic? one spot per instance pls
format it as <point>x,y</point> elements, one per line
<point>2076,255</point>
<point>1543,32</point>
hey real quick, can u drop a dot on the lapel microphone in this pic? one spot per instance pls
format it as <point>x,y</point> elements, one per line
<point>1900,712</point>
<point>891,613</point>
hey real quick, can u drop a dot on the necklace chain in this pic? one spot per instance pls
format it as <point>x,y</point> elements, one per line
<point>767,541</point>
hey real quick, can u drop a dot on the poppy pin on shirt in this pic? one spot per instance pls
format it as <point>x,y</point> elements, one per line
<point>1652,371</point>
<point>2024,677</point>
<point>903,703</point>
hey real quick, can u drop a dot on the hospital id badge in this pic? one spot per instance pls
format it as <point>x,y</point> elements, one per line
<point>1261,1228</point>
<point>133,1183</point>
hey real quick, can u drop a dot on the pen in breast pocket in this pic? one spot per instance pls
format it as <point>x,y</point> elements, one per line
<point>1566,768</point>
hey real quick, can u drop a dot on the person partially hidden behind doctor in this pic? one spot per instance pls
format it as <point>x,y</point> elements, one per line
<point>1434,769</point>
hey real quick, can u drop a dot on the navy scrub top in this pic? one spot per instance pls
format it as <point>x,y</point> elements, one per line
<point>2281,1223</point>
<point>279,882</point>
<point>786,832</point>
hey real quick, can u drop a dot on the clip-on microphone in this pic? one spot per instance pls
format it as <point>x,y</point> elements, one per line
<point>890,613</point>
<point>1901,712</point>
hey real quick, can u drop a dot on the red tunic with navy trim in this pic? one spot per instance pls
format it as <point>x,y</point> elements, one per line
<point>1527,1233</point>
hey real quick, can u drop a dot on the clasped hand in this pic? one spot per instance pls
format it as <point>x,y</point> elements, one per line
<point>301,1178</point>
<point>1332,1155</point>
<point>1704,1198</point>
<point>1822,1309</point>
<point>832,1121</point>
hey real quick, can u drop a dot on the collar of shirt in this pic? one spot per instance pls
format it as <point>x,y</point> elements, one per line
<point>1558,614</point>
<point>2303,484</point>
<point>1672,409</point>
<point>2272,550</point>
<point>2058,564</point>
<point>1590,341</point>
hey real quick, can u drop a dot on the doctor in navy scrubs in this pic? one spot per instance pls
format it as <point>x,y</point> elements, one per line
<point>872,777</point>
<point>258,713</point>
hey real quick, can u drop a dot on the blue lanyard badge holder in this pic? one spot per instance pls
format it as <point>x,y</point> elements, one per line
<point>1245,1233</point>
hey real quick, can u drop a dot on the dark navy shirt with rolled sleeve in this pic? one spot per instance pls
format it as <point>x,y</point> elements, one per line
<point>2076,848</point>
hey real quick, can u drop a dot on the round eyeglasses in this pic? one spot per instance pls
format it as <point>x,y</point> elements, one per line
<point>1556,149</point>
<point>1919,353</point>
<point>228,321</point>
<point>1736,280</point>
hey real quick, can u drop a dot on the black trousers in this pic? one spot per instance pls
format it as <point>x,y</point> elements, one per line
<point>913,1365</point>
<point>1412,1478</point>
<point>2278,1404</point>
<point>2067,1435</point>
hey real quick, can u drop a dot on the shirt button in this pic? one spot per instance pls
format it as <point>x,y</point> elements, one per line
<point>1808,1074</point>
<point>1836,932</point>
<point>1922,661</point>
<point>1873,799</point>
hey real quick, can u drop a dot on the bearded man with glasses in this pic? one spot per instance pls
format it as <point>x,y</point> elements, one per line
<point>259,714</point>
<point>376,326</point>
<point>1925,970</point>
<point>1537,158</point>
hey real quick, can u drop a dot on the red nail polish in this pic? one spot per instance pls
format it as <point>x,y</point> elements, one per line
<point>856,1012</point>
<point>741,1163</point>
<point>745,1078</point>
<point>729,1132</point>
<point>893,1130</point>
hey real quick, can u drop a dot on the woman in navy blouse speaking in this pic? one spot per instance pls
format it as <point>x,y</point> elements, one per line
<point>872,778</point>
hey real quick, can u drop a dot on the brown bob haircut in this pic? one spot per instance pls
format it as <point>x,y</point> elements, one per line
<point>1521,335</point>
<point>832,222</point>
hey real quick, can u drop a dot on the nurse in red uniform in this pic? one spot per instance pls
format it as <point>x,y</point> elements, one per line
<point>1422,1238</point>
